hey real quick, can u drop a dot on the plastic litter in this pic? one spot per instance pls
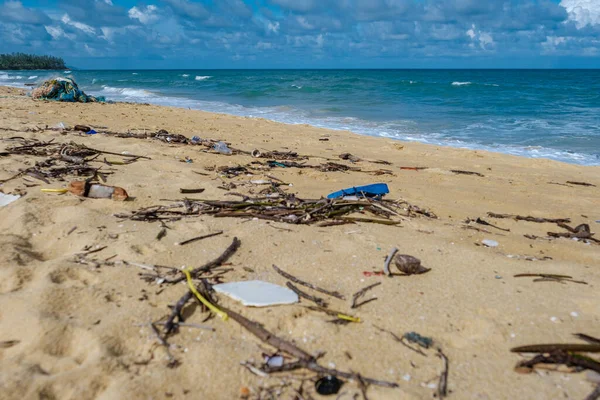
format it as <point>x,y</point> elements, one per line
<point>489,243</point>
<point>91,132</point>
<point>97,191</point>
<point>63,89</point>
<point>6,199</point>
<point>222,148</point>
<point>375,190</point>
<point>257,293</point>
<point>328,385</point>
<point>274,361</point>
<point>195,140</point>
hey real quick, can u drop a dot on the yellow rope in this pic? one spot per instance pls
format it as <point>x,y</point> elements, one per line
<point>210,306</point>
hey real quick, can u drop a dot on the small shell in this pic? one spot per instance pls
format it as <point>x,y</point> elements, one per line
<point>256,153</point>
<point>409,265</point>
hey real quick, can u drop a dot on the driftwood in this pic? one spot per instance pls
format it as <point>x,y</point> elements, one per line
<point>307,284</point>
<point>529,218</point>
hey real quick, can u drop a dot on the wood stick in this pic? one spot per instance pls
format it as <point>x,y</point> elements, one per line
<point>443,384</point>
<point>361,293</point>
<point>211,264</point>
<point>529,218</point>
<point>307,284</point>
<point>318,301</point>
<point>199,238</point>
<point>388,260</point>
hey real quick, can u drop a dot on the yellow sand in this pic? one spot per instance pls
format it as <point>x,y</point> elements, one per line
<point>83,331</point>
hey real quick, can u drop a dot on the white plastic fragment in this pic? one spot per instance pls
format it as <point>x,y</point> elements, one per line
<point>275,361</point>
<point>257,293</point>
<point>6,199</point>
<point>489,243</point>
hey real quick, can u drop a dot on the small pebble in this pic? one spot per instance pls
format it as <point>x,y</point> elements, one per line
<point>498,277</point>
<point>406,377</point>
<point>574,314</point>
<point>554,319</point>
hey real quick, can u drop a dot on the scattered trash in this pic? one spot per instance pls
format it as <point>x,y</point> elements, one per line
<point>373,273</point>
<point>328,385</point>
<point>59,127</point>
<point>195,140</point>
<point>274,361</point>
<point>409,265</point>
<point>376,190</point>
<point>222,148</point>
<point>91,132</point>
<point>82,128</point>
<point>6,199</point>
<point>257,293</point>
<point>489,243</point>
<point>422,341</point>
<point>97,190</point>
<point>63,89</point>
<point>550,278</point>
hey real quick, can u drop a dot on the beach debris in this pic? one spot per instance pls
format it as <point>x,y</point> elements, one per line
<point>388,260</point>
<point>442,388</point>
<point>581,183</point>
<point>221,147</point>
<point>413,168</point>
<point>317,300</point>
<point>416,338</point>
<point>82,128</point>
<point>191,191</point>
<point>97,190</point>
<point>461,172</point>
<point>167,137</point>
<point>275,361</point>
<point>349,157</point>
<point>307,284</point>
<point>6,199</point>
<point>581,231</point>
<point>481,221</point>
<point>489,243</point>
<point>328,385</point>
<point>5,344</point>
<point>198,238</point>
<point>409,265</point>
<point>542,277</point>
<point>305,360</point>
<point>257,293</point>
<point>63,89</point>
<point>529,218</point>
<point>284,208</point>
<point>356,296</point>
<point>376,190</point>
<point>340,317</point>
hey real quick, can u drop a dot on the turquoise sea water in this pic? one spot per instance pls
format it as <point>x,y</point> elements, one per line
<point>535,113</point>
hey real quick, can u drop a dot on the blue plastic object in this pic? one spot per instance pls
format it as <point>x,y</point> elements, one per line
<point>91,132</point>
<point>373,190</point>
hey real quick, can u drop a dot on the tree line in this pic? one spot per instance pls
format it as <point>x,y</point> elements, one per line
<point>30,61</point>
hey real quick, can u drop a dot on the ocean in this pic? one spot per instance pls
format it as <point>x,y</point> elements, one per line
<point>551,114</point>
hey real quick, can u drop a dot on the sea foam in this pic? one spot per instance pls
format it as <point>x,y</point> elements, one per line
<point>202,78</point>
<point>461,83</point>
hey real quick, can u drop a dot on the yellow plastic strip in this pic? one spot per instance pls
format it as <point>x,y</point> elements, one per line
<point>348,318</point>
<point>55,190</point>
<point>210,306</point>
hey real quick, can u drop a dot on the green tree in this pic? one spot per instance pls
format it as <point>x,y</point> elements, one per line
<point>17,61</point>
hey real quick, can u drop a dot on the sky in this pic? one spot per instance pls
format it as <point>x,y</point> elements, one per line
<point>207,34</point>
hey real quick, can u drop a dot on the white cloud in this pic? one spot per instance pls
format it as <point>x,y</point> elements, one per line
<point>273,27</point>
<point>146,15</point>
<point>55,31</point>
<point>484,39</point>
<point>583,12</point>
<point>83,27</point>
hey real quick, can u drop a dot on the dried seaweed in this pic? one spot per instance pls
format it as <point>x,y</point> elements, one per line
<point>356,296</point>
<point>307,284</point>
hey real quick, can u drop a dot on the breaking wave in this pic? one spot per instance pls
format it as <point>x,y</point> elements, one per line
<point>202,78</point>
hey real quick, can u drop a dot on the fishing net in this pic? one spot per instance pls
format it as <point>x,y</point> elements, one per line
<point>63,89</point>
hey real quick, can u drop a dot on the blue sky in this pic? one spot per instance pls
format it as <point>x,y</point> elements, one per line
<point>306,33</point>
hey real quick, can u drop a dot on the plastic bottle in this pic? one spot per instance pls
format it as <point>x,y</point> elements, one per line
<point>222,148</point>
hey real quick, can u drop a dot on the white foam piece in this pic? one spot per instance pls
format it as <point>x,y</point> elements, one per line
<point>257,293</point>
<point>6,199</point>
<point>489,243</point>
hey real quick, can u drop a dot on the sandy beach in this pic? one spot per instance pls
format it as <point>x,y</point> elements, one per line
<point>76,330</point>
